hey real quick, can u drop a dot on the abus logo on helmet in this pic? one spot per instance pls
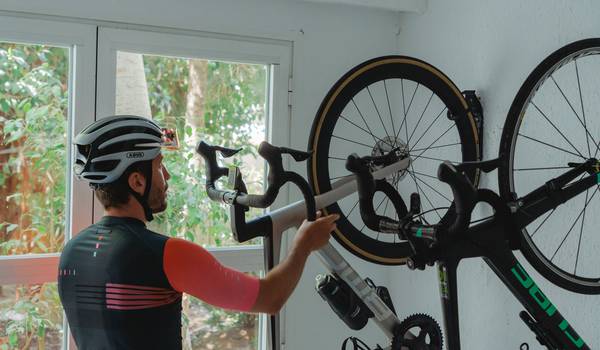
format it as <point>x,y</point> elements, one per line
<point>135,155</point>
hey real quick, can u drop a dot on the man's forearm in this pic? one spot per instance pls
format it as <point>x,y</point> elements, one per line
<point>279,283</point>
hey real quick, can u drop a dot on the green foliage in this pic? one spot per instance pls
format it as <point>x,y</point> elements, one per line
<point>33,134</point>
<point>33,105</point>
<point>234,112</point>
<point>32,317</point>
<point>234,108</point>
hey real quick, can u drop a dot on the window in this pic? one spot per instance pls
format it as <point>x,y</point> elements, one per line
<point>40,72</point>
<point>218,90</point>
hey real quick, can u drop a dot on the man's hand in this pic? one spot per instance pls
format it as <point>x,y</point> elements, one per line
<point>277,286</point>
<point>314,235</point>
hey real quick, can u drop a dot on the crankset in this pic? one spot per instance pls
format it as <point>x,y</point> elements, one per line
<point>428,334</point>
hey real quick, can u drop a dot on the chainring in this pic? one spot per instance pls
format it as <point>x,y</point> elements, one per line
<point>427,332</point>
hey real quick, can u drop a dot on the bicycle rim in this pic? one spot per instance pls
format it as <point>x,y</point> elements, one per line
<point>553,120</point>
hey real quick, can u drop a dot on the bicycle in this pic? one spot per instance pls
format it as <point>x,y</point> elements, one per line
<point>420,243</point>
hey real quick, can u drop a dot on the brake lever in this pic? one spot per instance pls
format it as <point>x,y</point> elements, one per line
<point>486,165</point>
<point>298,156</point>
<point>227,152</point>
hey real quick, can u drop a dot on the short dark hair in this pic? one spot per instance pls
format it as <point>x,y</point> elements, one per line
<point>116,194</point>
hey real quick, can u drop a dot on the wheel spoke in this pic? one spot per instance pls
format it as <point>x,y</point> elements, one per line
<point>431,176</point>
<point>406,109</point>
<point>434,147</point>
<point>587,192</point>
<point>425,195</point>
<point>549,145</point>
<point>436,159</point>
<point>378,114</point>
<point>403,108</point>
<point>583,123</point>
<point>387,96</point>
<point>356,142</point>
<point>363,119</point>
<point>379,205</point>
<point>574,223</point>
<point>543,222</point>
<point>556,128</point>
<point>543,168</point>
<point>351,210</point>
<point>429,127</point>
<point>420,118</point>
<point>436,140</point>
<point>433,189</point>
<point>377,139</point>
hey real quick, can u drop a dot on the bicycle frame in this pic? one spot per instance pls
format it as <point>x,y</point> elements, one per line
<point>292,216</point>
<point>489,240</point>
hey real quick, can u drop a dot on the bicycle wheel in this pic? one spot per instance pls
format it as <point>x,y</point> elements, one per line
<point>381,104</point>
<point>552,121</point>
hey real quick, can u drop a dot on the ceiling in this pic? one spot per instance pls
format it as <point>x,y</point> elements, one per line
<point>393,5</point>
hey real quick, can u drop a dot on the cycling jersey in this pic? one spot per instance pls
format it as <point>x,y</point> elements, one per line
<point>121,285</point>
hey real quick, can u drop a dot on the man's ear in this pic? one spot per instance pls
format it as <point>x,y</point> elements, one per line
<point>137,182</point>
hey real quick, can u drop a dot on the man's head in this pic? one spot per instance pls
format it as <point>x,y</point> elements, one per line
<point>120,157</point>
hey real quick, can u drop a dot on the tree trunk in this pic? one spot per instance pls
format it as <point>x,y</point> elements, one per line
<point>132,89</point>
<point>194,116</point>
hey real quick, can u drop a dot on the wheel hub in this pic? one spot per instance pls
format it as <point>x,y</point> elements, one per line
<point>384,146</point>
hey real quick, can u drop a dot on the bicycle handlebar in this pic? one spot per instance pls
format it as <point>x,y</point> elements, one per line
<point>276,177</point>
<point>465,198</point>
<point>366,190</point>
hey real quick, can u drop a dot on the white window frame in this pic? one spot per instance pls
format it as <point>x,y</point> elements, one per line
<point>274,53</point>
<point>81,40</point>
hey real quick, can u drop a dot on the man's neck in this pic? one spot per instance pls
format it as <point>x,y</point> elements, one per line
<point>132,210</point>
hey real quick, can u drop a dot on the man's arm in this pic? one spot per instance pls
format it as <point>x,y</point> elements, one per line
<point>279,283</point>
<point>192,269</point>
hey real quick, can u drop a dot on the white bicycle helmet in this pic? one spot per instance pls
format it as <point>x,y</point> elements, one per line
<point>107,147</point>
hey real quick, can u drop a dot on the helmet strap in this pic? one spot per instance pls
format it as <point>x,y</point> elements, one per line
<point>143,199</point>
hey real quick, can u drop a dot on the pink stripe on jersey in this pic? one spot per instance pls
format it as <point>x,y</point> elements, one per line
<point>130,305</point>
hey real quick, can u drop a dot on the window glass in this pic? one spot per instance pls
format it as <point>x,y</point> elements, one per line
<point>221,103</point>
<point>31,317</point>
<point>33,133</point>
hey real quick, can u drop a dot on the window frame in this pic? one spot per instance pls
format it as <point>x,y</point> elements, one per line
<point>80,39</point>
<point>276,54</point>
<point>92,79</point>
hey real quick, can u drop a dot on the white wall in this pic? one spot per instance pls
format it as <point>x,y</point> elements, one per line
<point>491,46</point>
<point>328,40</point>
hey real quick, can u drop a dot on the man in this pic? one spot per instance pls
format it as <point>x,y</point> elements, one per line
<point>120,283</point>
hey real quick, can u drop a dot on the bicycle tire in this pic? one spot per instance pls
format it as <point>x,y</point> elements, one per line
<point>392,73</point>
<point>549,79</point>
